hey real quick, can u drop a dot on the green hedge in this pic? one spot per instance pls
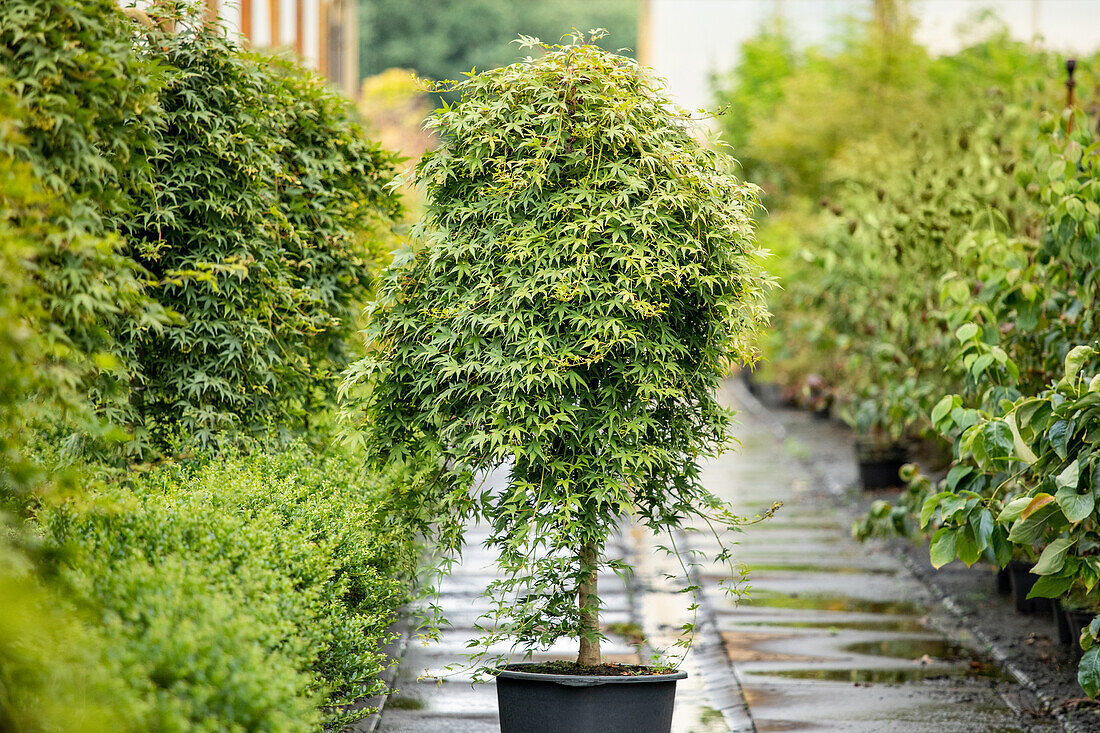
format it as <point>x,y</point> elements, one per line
<point>242,593</point>
<point>248,205</point>
<point>264,194</point>
<point>246,592</point>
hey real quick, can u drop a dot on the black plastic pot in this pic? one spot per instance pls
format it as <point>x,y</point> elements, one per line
<point>1022,579</point>
<point>1064,636</point>
<point>1076,620</point>
<point>878,467</point>
<point>562,703</point>
<point>1004,582</point>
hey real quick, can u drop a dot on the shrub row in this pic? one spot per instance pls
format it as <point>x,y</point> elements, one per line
<point>185,229</point>
<point>947,289</point>
<point>250,592</point>
<point>244,192</point>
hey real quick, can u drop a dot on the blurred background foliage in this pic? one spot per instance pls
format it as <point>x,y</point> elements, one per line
<point>459,35</point>
<point>935,226</point>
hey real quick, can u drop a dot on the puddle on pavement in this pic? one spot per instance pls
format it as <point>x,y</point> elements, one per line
<point>939,649</point>
<point>809,568</point>
<point>888,676</point>
<point>703,720</point>
<point>767,726</point>
<point>899,624</point>
<point>820,602</point>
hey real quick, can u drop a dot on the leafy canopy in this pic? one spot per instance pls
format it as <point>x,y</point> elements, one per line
<point>586,277</point>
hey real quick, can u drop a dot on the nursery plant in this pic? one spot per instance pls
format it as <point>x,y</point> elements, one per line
<point>1025,473</point>
<point>583,278</point>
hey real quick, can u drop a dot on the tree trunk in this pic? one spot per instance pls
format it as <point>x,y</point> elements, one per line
<point>589,611</point>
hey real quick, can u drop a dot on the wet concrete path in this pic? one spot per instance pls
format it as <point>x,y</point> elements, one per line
<point>835,636</point>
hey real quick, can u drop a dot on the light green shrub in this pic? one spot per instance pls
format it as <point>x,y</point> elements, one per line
<point>55,673</point>
<point>243,593</point>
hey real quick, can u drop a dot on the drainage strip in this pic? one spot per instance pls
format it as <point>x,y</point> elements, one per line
<point>721,681</point>
<point>726,691</point>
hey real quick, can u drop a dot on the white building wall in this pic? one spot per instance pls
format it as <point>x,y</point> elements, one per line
<point>311,33</point>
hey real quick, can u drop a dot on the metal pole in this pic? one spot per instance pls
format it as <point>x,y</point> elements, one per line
<point>1071,65</point>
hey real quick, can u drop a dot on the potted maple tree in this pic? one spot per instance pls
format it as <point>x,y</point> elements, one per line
<point>582,280</point>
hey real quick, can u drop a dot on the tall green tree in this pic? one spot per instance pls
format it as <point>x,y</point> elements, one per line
<point>587,277</point>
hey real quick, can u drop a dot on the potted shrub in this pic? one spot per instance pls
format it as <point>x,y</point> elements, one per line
<point>582,280</point>
<point>879,450</point>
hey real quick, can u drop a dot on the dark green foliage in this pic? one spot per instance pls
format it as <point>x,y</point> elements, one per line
<point>264,189</point>
<point>587,277</point>
<point>458,35</point>
<point>241,594</point>
<point>246,195</point>
<point>90,101</point>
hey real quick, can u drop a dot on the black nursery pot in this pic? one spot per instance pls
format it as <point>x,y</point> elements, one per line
<point>1060,613</point>
<point>1004,582</point>
<point>561,703</point>
<point>878,468</point>
<point>1022,579</point>
<point>1076,620</point>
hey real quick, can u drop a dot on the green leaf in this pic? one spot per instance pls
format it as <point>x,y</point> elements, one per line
<point>966,547</point>
<point>966,331</point>
<point>1013,509</point>
<point>1076,359</point>
<point>957,473</point>
<point>1002,548</point>
<point>1051,586</point>
<point>1088,672</point>
<point>1069,476</point>
<point>1028,530</point>
<point>982,523</point>
<point>1075,208</point>
<point>930,504</point>
<point>1023,452</point>
<point>1076,507</point>
<point>941,410</point>
<point>942,549</point>
<point>1053,557</point>
<point>1059,436</point>
<point>980,364</point>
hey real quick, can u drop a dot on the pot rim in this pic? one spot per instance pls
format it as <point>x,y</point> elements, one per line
<point>587,680</point>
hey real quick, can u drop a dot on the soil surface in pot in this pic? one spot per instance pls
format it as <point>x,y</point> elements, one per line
<point>601,670</point>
